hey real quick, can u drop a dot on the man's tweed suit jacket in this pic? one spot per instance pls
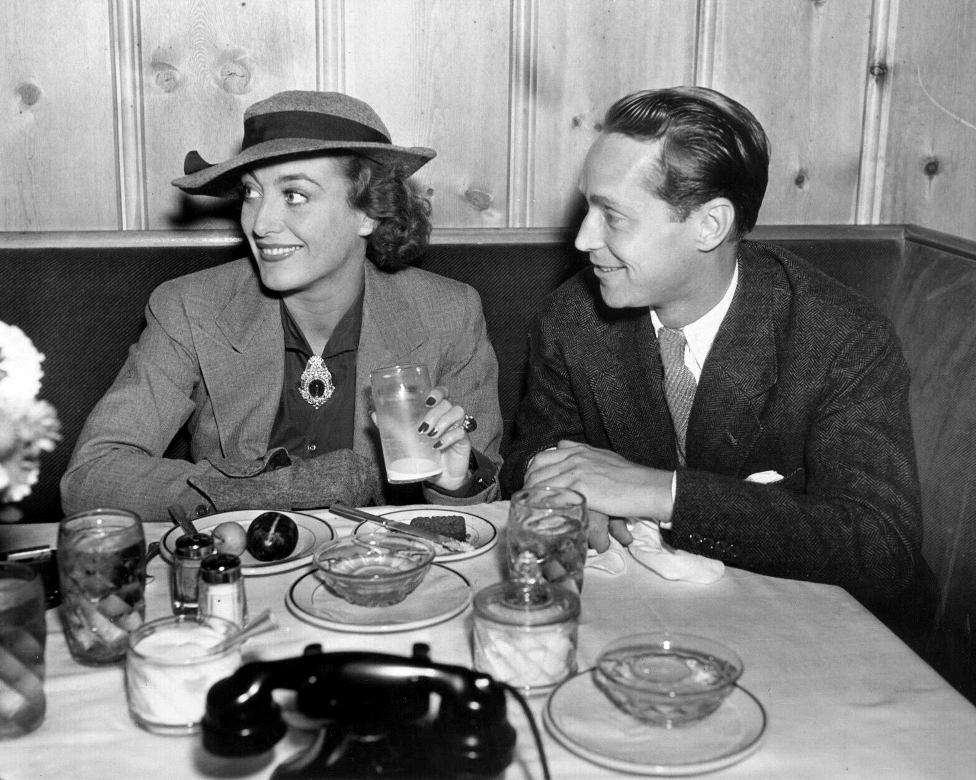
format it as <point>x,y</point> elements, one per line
<point>212,356</point>
<point>804,378</point>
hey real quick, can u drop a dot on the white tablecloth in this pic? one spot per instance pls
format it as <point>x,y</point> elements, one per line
<point>844,697</point>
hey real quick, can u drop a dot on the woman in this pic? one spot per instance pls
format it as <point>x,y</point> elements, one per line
<point>265,362</point>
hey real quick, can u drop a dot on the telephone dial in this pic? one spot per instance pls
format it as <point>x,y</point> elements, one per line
<point>381,716</point>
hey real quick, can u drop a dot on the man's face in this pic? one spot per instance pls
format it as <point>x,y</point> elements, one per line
<point>306,238</point>
<point>641,257</point>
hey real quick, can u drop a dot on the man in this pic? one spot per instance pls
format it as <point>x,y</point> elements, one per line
<point>792,452</point>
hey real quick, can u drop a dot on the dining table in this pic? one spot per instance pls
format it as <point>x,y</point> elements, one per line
<point>831,692</point>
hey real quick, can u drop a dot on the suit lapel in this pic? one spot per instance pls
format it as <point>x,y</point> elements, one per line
<point>625,376</point>
<point>390,334</point>
<point>738,374</point>
<point>242,363</point>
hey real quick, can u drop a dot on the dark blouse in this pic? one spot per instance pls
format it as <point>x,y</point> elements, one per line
<point>303,430</point>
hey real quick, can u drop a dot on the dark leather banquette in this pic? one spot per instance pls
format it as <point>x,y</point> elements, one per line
<point>80,297</point>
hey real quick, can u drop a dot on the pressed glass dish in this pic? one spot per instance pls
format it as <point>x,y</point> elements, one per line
<point>666,678</point>
<point>374,570</point>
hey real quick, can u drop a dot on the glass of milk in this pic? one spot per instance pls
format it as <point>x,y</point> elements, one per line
<point>170,667</point>
<point>399,395</point>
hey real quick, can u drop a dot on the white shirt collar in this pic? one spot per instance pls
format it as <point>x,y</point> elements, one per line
<point>700,334</point>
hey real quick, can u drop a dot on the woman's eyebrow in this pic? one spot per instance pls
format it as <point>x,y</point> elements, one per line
<point>293,177</point>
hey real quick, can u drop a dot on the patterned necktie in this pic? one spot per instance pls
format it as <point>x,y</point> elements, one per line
<point>679,384</point>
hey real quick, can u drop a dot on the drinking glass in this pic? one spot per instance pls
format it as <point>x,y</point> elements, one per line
<point>399,395</point>
<point>551,523</point>
<point>170,666</point>
<point>102,563</point>
<point>22,635</point>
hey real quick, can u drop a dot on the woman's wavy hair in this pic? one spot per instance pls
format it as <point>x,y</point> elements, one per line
<point>711,147</point>
<point>402,212</point>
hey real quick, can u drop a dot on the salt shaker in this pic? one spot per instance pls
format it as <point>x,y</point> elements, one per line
<point>525,629</point>
<point>190,551</point>
<point>222,588</point>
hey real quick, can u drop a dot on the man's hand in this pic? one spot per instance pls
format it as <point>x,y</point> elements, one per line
<point>612,484</point>
<point>602,527</point>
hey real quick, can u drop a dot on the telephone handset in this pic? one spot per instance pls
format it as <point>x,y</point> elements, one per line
<point>382,716</point>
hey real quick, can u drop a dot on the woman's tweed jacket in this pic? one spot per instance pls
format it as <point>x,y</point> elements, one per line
<point>212,356</point>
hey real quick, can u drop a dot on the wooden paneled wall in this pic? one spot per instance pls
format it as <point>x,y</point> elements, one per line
<point>869,117</point>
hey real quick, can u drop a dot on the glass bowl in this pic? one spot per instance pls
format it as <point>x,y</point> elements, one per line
<point>374,570</point>
<point>665,678</point>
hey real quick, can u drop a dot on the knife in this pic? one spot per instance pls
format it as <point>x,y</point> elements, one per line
<point>350,513</point>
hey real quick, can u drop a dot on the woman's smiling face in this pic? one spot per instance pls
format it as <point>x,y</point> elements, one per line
<point>306,238</point>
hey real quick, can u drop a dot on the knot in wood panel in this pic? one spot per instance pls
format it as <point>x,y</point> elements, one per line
<point>930,166</point>
<point>235,77</point>
<point>167,79</point>
<point>28,93</point>
<point>479,199</point>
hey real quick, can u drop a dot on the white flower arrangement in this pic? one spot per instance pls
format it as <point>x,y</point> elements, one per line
<point>28,426</point>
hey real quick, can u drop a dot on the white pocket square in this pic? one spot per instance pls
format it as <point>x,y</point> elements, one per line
<point>764,477</point>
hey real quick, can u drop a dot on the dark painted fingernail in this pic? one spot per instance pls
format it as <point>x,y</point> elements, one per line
<point>433,432</point>
<point>437,445</point>
<point>430,400</point>
<point>423,427</point>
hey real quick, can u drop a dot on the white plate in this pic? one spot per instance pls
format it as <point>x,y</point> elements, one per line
<point>482,534</point>
<point>443,594</point>
<point>584,721</point>
<point>312,532</point>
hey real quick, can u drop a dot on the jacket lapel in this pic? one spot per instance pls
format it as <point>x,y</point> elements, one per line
<point>390,334</point>
<point>738,374</point>
<point>626,379</point>
<point>247,342</point>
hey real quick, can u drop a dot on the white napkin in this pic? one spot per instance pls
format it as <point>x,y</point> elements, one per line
<point>611,560</point>
<point>649,551</point>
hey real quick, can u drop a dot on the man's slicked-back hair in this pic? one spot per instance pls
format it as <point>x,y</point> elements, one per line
<point>711,147</point>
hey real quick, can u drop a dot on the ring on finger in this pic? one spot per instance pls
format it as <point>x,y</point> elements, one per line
<point>469,424</point>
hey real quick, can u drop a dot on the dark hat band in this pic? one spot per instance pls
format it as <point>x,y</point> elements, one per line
<point>307,124</point>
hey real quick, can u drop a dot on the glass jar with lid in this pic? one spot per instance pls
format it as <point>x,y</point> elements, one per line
<point>525,629</point>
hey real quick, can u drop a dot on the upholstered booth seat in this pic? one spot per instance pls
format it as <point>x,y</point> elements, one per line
<point>80,297</point>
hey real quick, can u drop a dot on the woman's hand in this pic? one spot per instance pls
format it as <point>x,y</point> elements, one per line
<point>445,422</point>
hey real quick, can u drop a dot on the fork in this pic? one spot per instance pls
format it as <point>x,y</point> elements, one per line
<point>181,519</point>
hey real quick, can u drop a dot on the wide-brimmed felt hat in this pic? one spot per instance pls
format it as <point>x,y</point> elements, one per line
<point>298,122</point>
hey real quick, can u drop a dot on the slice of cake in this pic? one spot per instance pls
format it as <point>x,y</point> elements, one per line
<point>452,526</point>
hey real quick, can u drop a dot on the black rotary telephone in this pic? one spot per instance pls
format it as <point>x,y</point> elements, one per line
<point>382,716</point>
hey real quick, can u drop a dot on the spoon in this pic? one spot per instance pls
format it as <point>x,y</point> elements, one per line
<point>262,622</point>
